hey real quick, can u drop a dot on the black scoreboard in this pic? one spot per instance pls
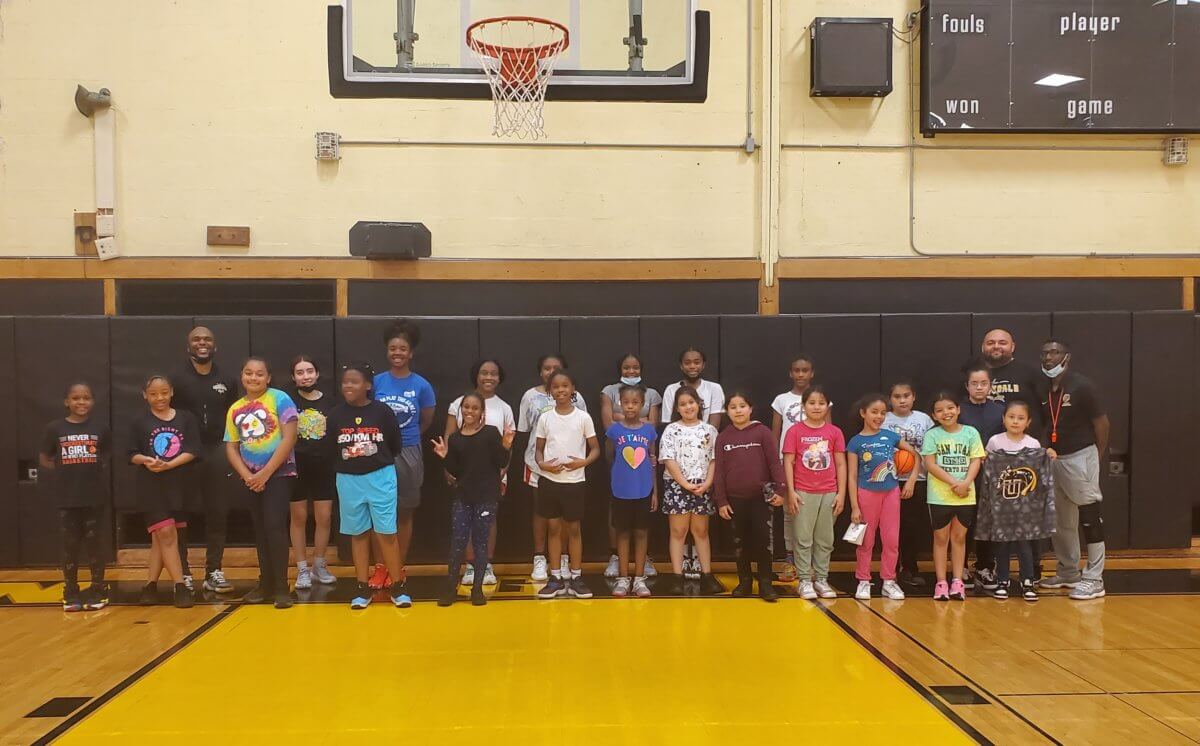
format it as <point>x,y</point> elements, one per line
<point>1060,66</point>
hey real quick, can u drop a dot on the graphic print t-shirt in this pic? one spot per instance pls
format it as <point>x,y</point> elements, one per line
<point>363,439</point>
<point>533,405</point>
<point>692,447</point>
<point>876,460</point>
<point>80,452</point>
<point>165,440</point>
<point>815,469</point>
<point>632,468</point>
<point>953,452</point>
<point>912,428</point>
<point>312,427</point>
<point>407,397</point>
<point>256,425</point>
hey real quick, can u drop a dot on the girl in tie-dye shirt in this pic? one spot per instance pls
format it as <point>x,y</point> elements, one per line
<point>260,436</point>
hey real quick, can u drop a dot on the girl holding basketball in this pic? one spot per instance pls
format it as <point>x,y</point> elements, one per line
<point>952,453</point>
<point>911,424</point>
<point>875,494</point>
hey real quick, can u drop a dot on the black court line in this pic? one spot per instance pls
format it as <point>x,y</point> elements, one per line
<point>907,678</point>
<point>1098,694</point>
<point>131,679</point>
<point>1155,719</point>
<point>966,678</point>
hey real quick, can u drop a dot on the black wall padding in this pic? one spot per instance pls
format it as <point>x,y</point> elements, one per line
<point>279,339</point>
<point>969,295</point>
<point>1162,428</point>
<point>662,338</point>
<point>9,502</point>
<point>928,349</point>
<point>51,297</point>
<point>471,298</point>
<point>1029,330</point>
<point>846,354</point>
<point>140,347</point>
<point>756,354</point>
<point>52,353</point>
<point>1101,349</point>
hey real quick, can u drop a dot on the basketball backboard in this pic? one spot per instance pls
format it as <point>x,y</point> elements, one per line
<point>619,49</point>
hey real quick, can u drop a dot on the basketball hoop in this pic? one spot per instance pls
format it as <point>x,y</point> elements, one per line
<point>518,55</point>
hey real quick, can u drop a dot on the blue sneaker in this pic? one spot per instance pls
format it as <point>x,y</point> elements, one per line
<point>362,597</point>
<point>400,597</point>
<point>553,588</point>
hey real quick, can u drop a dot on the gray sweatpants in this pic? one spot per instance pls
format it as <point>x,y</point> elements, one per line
<point>1076,483</point>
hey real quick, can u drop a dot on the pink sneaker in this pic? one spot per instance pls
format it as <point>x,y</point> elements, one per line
<point>941,591</point>
<point>957,590</point>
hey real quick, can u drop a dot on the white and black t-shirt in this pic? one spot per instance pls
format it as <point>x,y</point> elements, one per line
<point>912,427</point>
<point>691,447</point>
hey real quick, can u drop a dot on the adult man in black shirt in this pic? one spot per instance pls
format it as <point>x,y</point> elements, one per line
<point>1077,429</point>
<point>202,389</point>
<point>1011,379</point>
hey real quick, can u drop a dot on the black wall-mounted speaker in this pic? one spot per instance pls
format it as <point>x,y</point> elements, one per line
<point>377,240</point>
<point>851,57</point>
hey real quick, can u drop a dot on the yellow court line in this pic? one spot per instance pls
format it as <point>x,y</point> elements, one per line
<point>688,671</point>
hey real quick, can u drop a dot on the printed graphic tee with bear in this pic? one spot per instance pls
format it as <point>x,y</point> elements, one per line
<point>256,425</point>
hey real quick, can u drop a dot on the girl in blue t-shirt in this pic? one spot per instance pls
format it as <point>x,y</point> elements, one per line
<point>631,450</point>
<point>875,494</point>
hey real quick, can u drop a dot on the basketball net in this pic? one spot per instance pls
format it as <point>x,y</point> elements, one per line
<point>517,54</point>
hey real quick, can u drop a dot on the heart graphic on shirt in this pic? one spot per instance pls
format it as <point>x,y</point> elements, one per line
<point>633,456</point>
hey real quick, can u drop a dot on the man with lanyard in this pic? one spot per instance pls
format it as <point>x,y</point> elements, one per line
<point>1077,429</point>
<point>202,389</point>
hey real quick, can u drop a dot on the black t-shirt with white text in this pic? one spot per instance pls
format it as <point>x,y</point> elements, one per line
<point>207,397</point>
<point>1018,381</point>
<point>80,452</point>
<point>1069,411</point>
<point>363,439</point>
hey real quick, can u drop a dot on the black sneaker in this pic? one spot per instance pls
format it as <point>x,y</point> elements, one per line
<point>96,597</point>
<point>283,600</point>
<point>149,595</point>
<point>183,597</point>
<point>1029,590</point>
<point>449,593</point>
<point>258,595</point>
<point>744,588</point>
<point>477,597</point>
<point>577,588</point>
<point>72,602</point>
<point>999,591</point>
<point>710,586</point>
<point>767,592</point>
<point>553,588</point>
<point>986,577</point>
<point>911,579</point>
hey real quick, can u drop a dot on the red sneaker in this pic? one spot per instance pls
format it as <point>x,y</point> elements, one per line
<point>380,579</point>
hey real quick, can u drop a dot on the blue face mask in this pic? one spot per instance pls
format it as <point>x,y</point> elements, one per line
<point>630,380</point>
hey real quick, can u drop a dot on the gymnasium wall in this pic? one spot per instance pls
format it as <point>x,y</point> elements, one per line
<point>217,102</point>
<point>1137,359</point>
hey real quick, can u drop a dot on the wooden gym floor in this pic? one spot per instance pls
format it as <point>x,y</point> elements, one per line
<point>1123,669</point>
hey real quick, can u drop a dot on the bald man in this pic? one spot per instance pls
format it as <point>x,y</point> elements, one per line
<point>1012,380</point>
<point>202,389</point>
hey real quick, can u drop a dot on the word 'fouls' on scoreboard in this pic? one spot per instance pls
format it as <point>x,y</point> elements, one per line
<point>1106,66</point>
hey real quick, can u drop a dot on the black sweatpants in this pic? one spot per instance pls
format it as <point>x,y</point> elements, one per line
<point>80,532</point>
<point>270,510</point>
<point>470,522</point>
<point>751,536</point>
<point>915,533</point>
<point>214,481</point>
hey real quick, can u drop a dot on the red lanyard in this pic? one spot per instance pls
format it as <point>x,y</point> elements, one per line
<point>1054,412</point>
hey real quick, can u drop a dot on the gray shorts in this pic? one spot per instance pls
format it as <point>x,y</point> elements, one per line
<point>410,475</point>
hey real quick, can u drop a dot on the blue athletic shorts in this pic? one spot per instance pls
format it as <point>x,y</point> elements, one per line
<point>367,502</point>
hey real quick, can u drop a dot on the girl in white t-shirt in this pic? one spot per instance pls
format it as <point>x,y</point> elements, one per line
<point>910,424</point>
<point>687,449</point>
<point>486,376</point>
<point>711,396</point>
<point>787,410</point>
<point>536,402</point>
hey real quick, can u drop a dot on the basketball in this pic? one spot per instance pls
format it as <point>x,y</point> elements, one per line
<point>905,462</point>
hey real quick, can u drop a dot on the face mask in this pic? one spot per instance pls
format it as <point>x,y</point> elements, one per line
<point>1056,371</point>
<point>305,389</point>
<point>197,359</point>
<point>630,380</point>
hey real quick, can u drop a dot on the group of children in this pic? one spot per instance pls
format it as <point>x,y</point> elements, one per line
<point>365,451</point>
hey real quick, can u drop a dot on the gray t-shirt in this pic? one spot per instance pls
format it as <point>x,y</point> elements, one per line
<point>613,392</point>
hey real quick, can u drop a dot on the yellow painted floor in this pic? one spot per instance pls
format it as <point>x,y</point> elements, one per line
<point>662,671</point>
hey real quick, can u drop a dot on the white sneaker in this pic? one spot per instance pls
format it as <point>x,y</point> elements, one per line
<point>621,589</point>
<point>614,567</point>
<point>564,564</point>
<point>190,582</point>
<point>489,575</point>
<point>864,590</point>
<point>891,589</point>
<point>640,589</point>
<point>540,573</point>
<point>321,573</point>
<point>824,589</point>
<point>649,571</point>
<point>303,578</point>
<point>468,577</point>
<point>807,591</point>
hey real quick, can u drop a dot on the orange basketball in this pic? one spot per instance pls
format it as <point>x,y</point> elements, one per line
<point>904,462</point>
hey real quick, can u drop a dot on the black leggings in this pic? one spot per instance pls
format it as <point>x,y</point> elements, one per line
<point>470,522</point>
<point>271,513</point>
<point>915,533</point>
<point>751,534</point>
<point>1026,550</point>
<point>80,530</point>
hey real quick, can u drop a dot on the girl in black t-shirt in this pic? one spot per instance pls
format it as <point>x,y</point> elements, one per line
<point>314,473</point>
<point>75,453</point>
<point>474,456</point>
<point>163,441</point>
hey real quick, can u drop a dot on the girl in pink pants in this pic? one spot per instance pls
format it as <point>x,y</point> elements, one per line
<point>875,494</point>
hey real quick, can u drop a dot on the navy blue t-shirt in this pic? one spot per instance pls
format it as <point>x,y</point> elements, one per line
<point>632,469</point>
<point>987,418</point>
<point>876,460</point>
